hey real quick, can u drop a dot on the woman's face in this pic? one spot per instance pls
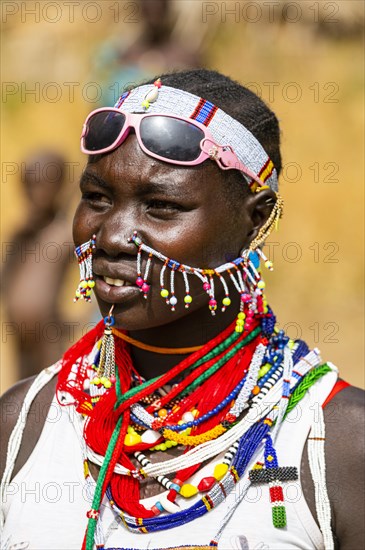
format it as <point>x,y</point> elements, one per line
<point>180,211</point>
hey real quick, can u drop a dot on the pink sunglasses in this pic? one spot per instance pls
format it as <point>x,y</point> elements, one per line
<point>170,138</point>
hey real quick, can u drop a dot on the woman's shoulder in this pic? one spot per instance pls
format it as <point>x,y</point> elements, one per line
<point>345,408</point>
<point>10,409</point>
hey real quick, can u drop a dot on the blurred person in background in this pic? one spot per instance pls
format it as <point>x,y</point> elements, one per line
<point>35,265</point>
<point>166,38</point>
<point>186,417</point>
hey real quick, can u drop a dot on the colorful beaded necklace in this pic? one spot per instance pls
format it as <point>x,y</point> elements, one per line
<point>264,367</point>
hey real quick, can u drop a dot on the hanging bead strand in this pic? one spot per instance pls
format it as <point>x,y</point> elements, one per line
<point>164,292</point>
<point>173,299</point>
<point>187,298</point>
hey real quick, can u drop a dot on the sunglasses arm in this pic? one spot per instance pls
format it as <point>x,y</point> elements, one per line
<point>226,158</point>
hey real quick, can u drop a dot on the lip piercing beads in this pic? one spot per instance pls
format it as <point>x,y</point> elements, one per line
<point>83,254</point>
<point>243,272</point>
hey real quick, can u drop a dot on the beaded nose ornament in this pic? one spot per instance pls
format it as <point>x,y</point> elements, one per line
<point>243,272</point>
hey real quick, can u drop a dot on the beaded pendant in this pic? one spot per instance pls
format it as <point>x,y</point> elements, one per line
<point>274,475</point>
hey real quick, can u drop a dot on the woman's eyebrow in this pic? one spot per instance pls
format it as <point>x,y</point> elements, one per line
<point>90,177</point>
<point>168,188</point>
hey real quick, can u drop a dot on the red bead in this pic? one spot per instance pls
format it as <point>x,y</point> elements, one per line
<point>139,281</point>
<point>206,483</point>
<point>171,496</point>
<point>276,493</point>
<point>206,286</point>
<point>145,288</point>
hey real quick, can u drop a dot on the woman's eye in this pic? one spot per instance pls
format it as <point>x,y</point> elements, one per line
<point>95,198</point>
<point>164,206</point>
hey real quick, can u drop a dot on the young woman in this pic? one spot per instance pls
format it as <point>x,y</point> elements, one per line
<point>186,418</point>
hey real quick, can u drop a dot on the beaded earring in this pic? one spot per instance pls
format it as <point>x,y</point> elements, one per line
<point>104,363</point>
<point>83,254</point>
<point>271,223</point>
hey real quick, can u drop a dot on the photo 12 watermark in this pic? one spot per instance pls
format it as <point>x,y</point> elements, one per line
<point>271,12</point>
<point>71,12</point>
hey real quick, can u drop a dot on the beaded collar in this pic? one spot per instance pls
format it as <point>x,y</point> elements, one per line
<point>267,375</point>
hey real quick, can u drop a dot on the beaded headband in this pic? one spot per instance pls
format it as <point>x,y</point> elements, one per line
<point>224,129</point>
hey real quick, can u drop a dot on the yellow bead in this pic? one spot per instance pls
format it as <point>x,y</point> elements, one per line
<point>241,315</point>
<point>91,284</point>
<point>83,284</point>
<point>107,384</point>
<point>264,369</point>
<point>238,328</point>
<point>162,413</point>
<point>95,380</point>
<point>163,447</point>
<point>240,322</point>
<point>164,293</point>
<point>78,294</point>
<point>132,439</point>
<point>220,471</point>
<point>145,103</point>
<point>261,284</point>
<point>188,490</point>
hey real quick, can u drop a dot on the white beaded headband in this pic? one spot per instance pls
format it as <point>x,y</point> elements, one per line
<point>224,129</point>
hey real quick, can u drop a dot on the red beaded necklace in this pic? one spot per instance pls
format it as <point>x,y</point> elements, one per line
<point>202,388</point>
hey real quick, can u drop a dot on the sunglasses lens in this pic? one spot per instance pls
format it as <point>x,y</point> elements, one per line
<point>171,138</point>
<point>103,128</point>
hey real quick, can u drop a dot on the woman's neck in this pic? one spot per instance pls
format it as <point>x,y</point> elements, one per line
<point>191,330</point>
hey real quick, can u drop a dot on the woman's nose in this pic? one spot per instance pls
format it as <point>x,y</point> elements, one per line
<point>113,234</point>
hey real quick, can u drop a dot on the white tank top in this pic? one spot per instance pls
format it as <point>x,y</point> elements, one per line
<point>46,503</point>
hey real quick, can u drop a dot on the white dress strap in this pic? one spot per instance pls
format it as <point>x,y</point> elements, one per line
<point>16,436</point>
<point>317,464</point>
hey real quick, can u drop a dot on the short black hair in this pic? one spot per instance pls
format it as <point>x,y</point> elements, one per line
<point>236,100</point>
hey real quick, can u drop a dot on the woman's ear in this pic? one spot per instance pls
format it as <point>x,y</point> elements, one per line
<point>259,207</point>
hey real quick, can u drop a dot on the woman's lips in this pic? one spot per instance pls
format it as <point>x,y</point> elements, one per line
<point>114,290</point>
